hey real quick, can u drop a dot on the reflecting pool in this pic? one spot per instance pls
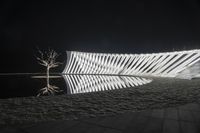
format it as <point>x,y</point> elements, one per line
<point>37,85</point>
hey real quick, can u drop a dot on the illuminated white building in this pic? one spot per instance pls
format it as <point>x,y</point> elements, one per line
<point>167,64</point>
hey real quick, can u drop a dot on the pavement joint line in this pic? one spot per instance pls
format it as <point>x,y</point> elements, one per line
<point>179,122</point>
<point>164,118</point>
<point>163,121</point>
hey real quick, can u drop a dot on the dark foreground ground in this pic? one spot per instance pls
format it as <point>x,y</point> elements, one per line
<point>126,104</point>
<point>182,119</point>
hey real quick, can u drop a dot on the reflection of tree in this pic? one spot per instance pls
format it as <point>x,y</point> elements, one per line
<point>49,89</point>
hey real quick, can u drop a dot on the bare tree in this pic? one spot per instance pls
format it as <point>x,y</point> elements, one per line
<point>48,59</point>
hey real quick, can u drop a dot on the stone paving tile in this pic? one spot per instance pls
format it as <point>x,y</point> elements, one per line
<point>90,128</point>
<point>196,116</point>
<point>124,120</point>
<point>118,122</point>
<point>137,124</point>
<point>107,122</point>
<point>190,107</point>
<point>147,113</point>
<point>188,127</point>
<point>154,125</point>
<point>93,120</point>
<point>158,113</point>
<point>12,130</point>
<point>171,113</point>
<point>186,116</point>
<point>95,129</point>
<point>80,128</point>
<point>111,131</point>
<point>171,126</point>
<point>51,127</point>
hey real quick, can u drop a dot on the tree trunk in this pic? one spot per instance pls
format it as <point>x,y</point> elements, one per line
<point>48,76</point>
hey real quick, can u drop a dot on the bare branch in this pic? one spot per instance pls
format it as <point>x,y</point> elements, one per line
<point>48,58</point>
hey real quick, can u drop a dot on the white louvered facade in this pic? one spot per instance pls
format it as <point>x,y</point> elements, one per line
<point>168,64</point>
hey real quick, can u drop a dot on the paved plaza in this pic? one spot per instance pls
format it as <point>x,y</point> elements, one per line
<point>183,119</point>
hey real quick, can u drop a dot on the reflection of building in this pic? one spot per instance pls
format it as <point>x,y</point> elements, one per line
<point>93,83</point>
<point>169,64</point>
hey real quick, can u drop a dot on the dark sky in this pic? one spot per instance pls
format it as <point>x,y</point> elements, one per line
<point>141,26</point>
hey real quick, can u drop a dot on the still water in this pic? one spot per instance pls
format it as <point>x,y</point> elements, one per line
<point>31,85</point>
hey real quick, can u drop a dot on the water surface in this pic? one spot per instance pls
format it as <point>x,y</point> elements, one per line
<point>37,85</point>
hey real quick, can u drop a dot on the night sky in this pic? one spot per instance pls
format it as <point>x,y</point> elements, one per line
<point>94,26</point>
